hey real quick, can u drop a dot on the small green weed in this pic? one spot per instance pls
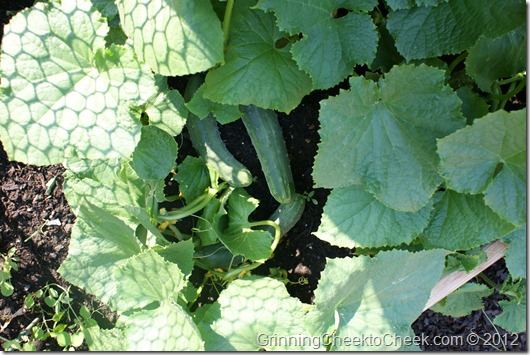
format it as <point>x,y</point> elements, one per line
<point>9,263</point>
<point>55,318</point>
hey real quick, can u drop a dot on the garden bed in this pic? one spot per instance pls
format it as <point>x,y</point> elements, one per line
<point>36,221</point>
<point>25,208</point>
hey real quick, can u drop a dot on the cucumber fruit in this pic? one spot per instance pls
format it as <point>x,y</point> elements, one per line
<point>206,139</point>
<point>287,215</point>
<point>267,138</point>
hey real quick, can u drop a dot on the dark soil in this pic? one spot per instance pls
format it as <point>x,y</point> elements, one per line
<point>25,209</point>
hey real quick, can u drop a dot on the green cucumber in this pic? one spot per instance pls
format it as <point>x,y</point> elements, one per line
<point>206,139</point>
<point>287,215</point>
<point>216,256</point>
<point>267,138</point>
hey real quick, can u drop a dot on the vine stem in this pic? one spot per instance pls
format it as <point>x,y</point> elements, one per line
<point>516,77</point>
<point>510,93</point>
<point>455,62</point>
<point>195,206</point>
<point>496,331</point>
<point>488,281</point>
<point>277,231</point>
<point>199,289</point>
<point>226,21</point>
<point>503,102</point>
<point>237,271</point>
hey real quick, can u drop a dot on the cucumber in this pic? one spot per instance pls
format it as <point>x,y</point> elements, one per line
<point>287,215</point>
<point>267,138</point>
<point>216,256</point>
<point>206,139</point>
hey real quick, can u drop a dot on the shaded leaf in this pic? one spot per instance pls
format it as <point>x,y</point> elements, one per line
<point>489,157</point>
<point>463,301</point>
<point>452,26</point>
<point>354,218</point>
<point>513,316</point>
<point>463,222</point>
<point>193,178</point>
<point>504,57</point>
<point>238,236</point>
<point>515,256</point>
<point>380,135</point>
<point>155,154</point>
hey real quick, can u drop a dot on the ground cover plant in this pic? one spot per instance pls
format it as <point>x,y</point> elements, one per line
<point>424,163</point>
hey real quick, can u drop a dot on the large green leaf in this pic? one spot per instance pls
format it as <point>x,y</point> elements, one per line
<point>106,7</point>
<point>374,296</point>
<point>167,328</point>
<point>256,72</point>
<point>176,37</point>
<point>238,236</point>
<point>180,253</point>
<point>463,301</point>
<point>354,218</point>
<point>407,4</point>
<point>109,184</point>
<point>463,222</point>
<point>380,135</point>
<point>202,107</point>
<point>249,314</point>
<point>105,259</point>
<point>167,111</point>
<point>341,42</point>
<point>515,256</point>
<point>473,105</point>
<point>62,87</point>
<point>513,316</point>
<point>155,154</point>
<point>146,278</point>
<point>452,26</point>
<point>489,157</point>
<point>193,178</point>
<point>100,244</point>
<point>505,56</point>
<point>387,55</point>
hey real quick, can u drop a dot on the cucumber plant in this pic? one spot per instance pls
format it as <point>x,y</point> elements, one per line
<point>423,149</point>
